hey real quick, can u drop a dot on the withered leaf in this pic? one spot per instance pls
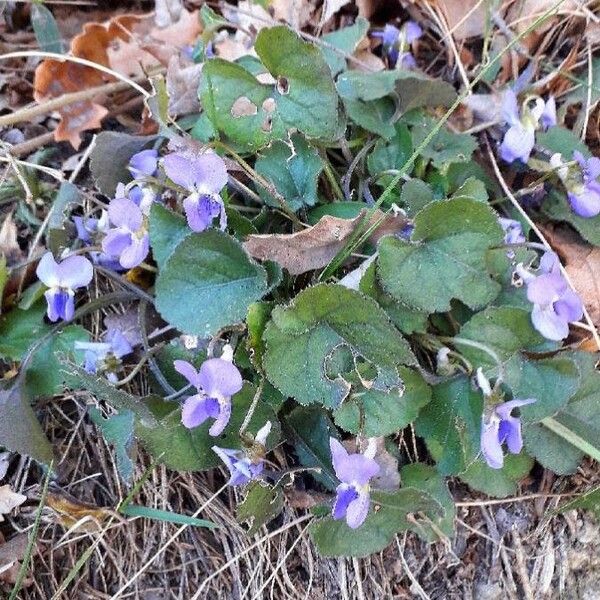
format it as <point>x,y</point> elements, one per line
<point>9,500</point>
<point>315,246</point>
<point>70,511</point>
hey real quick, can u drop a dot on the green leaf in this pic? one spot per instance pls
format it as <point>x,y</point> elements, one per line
<point>182,449</point>
<point>426,478</point>
<point>261,504</point>
<point>472,188</point>
<point>373,413</point>
<point>68,195</point>
<point>20,328</point>
<point>133,510</point>
<point>446,146</point>
<point>445,259</point>
<point>508,332</point>
<point>390,154</point>
<point>257,318</point>
<point>20,431</point>
<point>293,168</point>
<point>550,450</point>
<point>208,281</point>
<point>45,28</point>
<point>404,318</point>
<point>560,139</point>
<point>117,430</point>
<point>346,40</point>
<point>388,516</point>
<point>309,431</point>
<point>44,375</point>
<point>413,89</point>
<point>109,158</point>
<point>498,482</point>
<point>557,208</point>
<point>167,229</point>
<point>581,416</point>
<point>415,196</point>
<point>375,116</point>
<point>451,425</point>
<point>252,113</point>
<point>300,338</point>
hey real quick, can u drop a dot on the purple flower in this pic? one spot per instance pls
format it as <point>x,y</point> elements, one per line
<point>353,494</point>
<point>216,381</point>
<point>584,195</point>
<point>513,231</point>
<point>498,426</point>
<point>519,139</point>
<point>396,43</point>
<point>88,231</point>
<point>62,279</point>
<point>129,238</point>
<point>105,357</point>
<point>204,177</point>
<point>243,468</point>
<point>555,304</point>
<point>144,164</point>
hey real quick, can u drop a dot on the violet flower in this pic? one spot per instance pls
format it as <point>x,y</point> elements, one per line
<point>243,468</point>
<point>584,193</point>
<point>62,280</point>
<point>396,43</point>
<point>144,164</point>
<point>216,381</point>
<point>555,304</point>
<point>204,177</point>
<point>128,240</point>
<point>89,230</point>
<point>519,139</point>
<point>105,357</point>
<point>513,231</point>
<point>353,494</point>
<point>499,426</point>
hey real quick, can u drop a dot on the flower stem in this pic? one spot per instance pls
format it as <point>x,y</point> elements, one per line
<point>566,434</point>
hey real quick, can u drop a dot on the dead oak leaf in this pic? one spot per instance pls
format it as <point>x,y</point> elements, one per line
<point>314,247</point>
<point>127,44</point>
<point>9,500</point>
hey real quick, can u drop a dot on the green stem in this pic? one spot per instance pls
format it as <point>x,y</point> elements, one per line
<point>566,434</point>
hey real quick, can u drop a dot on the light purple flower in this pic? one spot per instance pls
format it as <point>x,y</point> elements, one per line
<point>243,468</point>
<point>584,195</point>
<point>353,494</point>
<point>216,381</point>
<point>499,426</point>
<point>89,230</point>
<point>63,279</point>
<point>204,177</point>
<point>396,43</point>
<point>519,139</point>
<point>105,357</point>
<point>144,164</point>
<point>129,239</point>
<point>555,304</point>
<point>513,231</point>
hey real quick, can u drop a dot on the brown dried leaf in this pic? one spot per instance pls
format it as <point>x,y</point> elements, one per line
<point>9,246</point>
<point>11,553</point>
<point>9,500</point>
<point>71,511</point>
<point>330,7</point>
<point>127,44</point>
<point>183,79</point>
<point>455,12</point>
<point>315,246</point>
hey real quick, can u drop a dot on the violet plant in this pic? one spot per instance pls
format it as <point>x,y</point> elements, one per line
<point>323,264</point>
